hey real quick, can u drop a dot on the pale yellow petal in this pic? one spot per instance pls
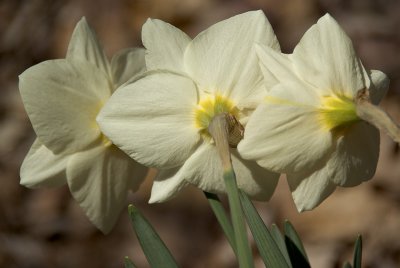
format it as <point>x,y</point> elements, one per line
<point>152,119</point>
<point>166,185</point>
<point>326,59</point>
<point>222,58</point>
<point>165,45</point>
<point>379,86</point>
<point>84,45</point>
<point>42,168</point>
<point>309,191</point>
<point>204,170</point>
<point>356,155</point>
<point>62,99</point>
<point>99,180</point>
<point>284,134</point>
<point>126,64</point>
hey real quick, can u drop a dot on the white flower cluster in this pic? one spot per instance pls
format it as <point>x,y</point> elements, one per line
<point>155,104</point>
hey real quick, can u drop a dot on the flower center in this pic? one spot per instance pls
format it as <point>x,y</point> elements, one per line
<point>337,111</point>
<point>209,107</point>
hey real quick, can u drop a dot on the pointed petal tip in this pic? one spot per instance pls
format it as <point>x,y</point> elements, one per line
<point>327,18</point>
<point>82,23</point>
<point>154,200</point>
<point>301,209</point>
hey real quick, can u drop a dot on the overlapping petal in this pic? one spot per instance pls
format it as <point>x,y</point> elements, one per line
<point>326,59</point>
<point>356,155</point>
<point>284,134</point>
<point>222,58</point>
<point>126,64</point>
<point>354,161</point>
<point>152,119</point>
<point>204,169</point>
<point>167,184</point>
<point>379,86</point>
<point>62,99</point>
<point>99,179</point>
<point>41,168</point>
<point>84,45</point>
<point>311,189</point>
<point>165,45</point>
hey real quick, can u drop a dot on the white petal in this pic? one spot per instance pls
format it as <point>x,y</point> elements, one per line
<point>284,134</point>
<point>62,99</point>
<point>379,86</point>
<point>309,191</point>
<point>223,59</point>
<point>356,155</point>
<point>325,58</point>
<point>353,162</point>
<point>99,180</point>
<point>152,119</point>
<point>204,169</point>
<point>126,64</point>
<point>42,168</point>
<point>84,45</point>
<point>165,45</point>
<point>166,185</point>
<point>275,66</point>
<point>256,181</point>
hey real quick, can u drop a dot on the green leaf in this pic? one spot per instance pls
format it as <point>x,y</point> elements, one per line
<point>129,263</point>
<point>295,247</point>
<point>268,248</point>
<point>347,265</point>
<point>222,218</point>
<point>357,253</point>
<point>154,249</point>
<point>278,237</point>
<point>239,227</point>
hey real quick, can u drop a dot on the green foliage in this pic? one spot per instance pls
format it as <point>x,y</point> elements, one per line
<point>295,248</point>
<point>267,247</point>
<point>223,219</point>
<point>128,263</point>
<point>357,253</point>
<point>154,249</point>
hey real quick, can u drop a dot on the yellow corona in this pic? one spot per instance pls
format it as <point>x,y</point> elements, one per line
<point>337,111</point>
<point>210,106</point>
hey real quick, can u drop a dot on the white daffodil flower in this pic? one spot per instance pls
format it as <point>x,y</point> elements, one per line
<point>307,126</point>
<point>62,98</point>
<point>168,109</point>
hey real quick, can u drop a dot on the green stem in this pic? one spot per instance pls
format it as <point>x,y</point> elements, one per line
<point>238,220</point>
<point>218,128</point>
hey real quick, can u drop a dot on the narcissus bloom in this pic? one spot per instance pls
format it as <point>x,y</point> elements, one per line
<point>307,126</point>
<point>161,119</point>
<point>62,98</point>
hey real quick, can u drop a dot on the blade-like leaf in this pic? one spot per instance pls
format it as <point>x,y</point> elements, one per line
<point>128,263</point>
<point>268,248</point>
<point>222,218</point>
<point>239,226</point>
<point>357,253</point>
<point>347,265</point>
<point>295,247</point>
<point>156,252</point>
<point>278,237</point>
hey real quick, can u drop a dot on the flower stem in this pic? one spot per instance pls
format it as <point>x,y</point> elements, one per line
<point>218,129</point>
<point>378,118</point>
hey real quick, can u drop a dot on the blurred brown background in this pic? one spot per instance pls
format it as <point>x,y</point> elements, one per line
<point>46,228</point>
